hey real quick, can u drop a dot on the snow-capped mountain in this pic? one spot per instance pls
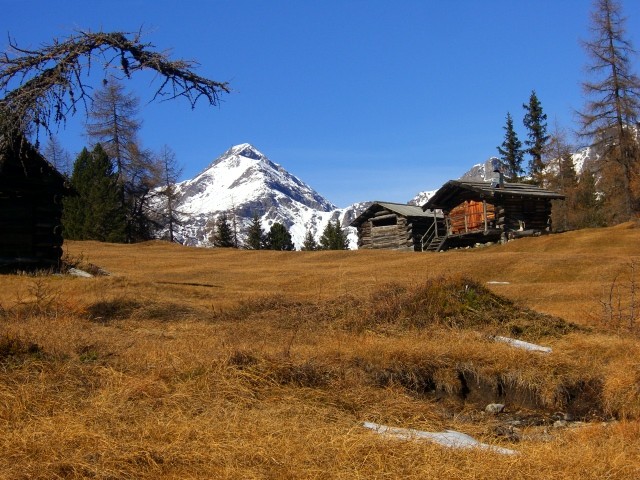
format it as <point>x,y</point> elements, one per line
<point>243,182</point>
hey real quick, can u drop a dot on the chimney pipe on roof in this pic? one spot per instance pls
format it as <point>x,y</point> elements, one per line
<point>497,179</point>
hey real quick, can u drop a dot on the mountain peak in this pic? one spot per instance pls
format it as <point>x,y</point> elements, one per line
<point>245,150</point>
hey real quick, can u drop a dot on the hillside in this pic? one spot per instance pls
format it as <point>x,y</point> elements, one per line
<point>220,363</point>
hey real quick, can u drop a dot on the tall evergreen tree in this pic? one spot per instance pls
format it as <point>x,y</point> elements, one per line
<point>333,237</point>
<point>511,153</point>
<point>255,234</point>
<point>279,238</point>
<point>223,234</point>
<point>96,212</point>
<point>309,243</point>
<point>535,121</point>
<point>613,97</point>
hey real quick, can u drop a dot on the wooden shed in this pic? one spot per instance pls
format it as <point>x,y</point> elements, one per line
<point>393,226</point>
<point>31,192</point>
<point>481,212</point>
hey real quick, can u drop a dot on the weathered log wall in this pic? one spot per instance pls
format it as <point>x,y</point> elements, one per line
<point>389,230</point>
<point>30,210</point>
<point>526,214</point>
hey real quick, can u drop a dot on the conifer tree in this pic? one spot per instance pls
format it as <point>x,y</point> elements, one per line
<point>279,238</point>
<point>535,120</point>
<point>511,154</point>
<point>309,243</point>
<point>96,212</point>
<point>166,214</point>
<point>113,123</point>
<point>561,177</point>
<point>223,233</point>
<point>333,237</point>
<point>613,100</point>
<point>590,212</point>
<point>255,236</point>
<point>57,156</point>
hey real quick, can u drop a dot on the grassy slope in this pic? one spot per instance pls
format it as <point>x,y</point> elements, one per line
<point>192,363</point>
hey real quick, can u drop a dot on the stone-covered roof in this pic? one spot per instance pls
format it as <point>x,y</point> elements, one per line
<point>455,190</point>
<point>399,208</point>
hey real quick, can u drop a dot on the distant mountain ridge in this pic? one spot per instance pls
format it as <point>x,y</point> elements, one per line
<point>243,182</point>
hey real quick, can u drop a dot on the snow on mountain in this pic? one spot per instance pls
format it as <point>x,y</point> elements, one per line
<point>422,198</point>
<point>243,182</point>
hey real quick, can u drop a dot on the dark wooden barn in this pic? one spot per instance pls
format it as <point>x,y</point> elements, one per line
<point>393,226</point>
<point>31,192</point>
<point>481,212</point>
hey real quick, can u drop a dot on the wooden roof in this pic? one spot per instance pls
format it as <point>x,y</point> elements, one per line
<point>399,208</point>
<point>21,164</point>
<point>455,191</point>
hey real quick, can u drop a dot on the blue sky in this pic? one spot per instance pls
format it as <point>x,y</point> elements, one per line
<point>363,100</point>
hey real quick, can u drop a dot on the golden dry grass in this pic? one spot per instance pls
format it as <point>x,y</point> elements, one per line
<point>193,363</point>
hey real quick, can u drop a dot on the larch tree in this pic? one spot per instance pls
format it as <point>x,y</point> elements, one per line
<point>57,156</point>
<point>113,123</point>
<point>610,114</point>
<point>535,121</point>
<point>560,175</point>
<point>167,197</point>
<point>511,153</point>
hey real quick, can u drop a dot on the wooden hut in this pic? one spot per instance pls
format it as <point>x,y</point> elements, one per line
<point>481,212</point>
<point>393,226</point>
<point>31,192</point>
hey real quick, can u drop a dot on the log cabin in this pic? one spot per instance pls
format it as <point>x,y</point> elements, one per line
<point>394,226</point>
<point>481,212</point>
<point>31,192</point>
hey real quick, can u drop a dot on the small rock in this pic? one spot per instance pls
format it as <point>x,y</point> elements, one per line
<point>494,408</point>
<point>76,272</point>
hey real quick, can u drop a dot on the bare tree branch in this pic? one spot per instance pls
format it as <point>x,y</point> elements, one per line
<point>42,87</point>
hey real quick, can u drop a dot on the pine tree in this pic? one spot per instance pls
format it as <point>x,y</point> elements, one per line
<point>223,234</point>
<point>96,212</point>
<point>613,103</point>
<point>309,243</point>
<point>279,238</point>
<point>535,120</point>
<point>255,236</point>
<point>333,237</point>
<point>511,154</point>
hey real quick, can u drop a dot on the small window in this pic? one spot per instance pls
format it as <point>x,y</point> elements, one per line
<point>384,222</point>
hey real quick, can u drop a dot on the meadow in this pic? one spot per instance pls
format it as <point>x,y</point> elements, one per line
<point>187,363</point>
